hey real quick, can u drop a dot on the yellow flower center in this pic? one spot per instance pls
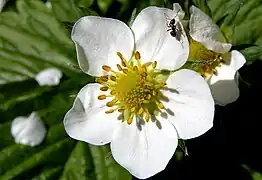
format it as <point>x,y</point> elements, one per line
<point>134,88</point>
<point>202,59</point>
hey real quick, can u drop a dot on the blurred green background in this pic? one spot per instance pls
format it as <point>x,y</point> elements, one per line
<point>34,36</point>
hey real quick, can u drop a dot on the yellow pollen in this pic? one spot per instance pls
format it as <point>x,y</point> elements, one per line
<point>135,88</point>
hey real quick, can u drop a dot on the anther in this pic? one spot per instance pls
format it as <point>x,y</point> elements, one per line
<point>135,68</point>
<point>133,109</point>
<point>162,83</point>
<point>125,71</point>
<point>104,78</point>
<point>121,110</point>
<point>140,111</point>
<point>130,119</point>
<point>154,64</point>
<point>147,117</point>
<point>143,74</point>
<point>109,111</point>
<point>101,97</point>
<point>119,55</point>
<point>148,97</point>
<point>144,68</point>
<point>119,67</point>
<point>154,93</point>
<point>160,105</point>
<point>110,104</point>
<point>100,81</point>
<point>113,78</point>
<point>123,63</point>
<point>137,55</point>
<point>113,92</point>
<point>104,88</point>
<point>106,68</point>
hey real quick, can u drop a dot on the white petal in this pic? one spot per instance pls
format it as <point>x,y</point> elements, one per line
<point>155,43</point>
<point>2,4</point>
<point>224,85</point>
<point>28,130</point>
<point>177,9</point>
<point>189,103</point>
<point>205,31</point>
<point>87,120</point>
<point>49,77</point>
<point>145,149</point>
<point>98,40</point>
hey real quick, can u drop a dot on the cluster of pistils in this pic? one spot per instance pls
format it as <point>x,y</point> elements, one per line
<point>134,89</point>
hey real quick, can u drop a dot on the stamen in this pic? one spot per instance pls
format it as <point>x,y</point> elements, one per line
<point>113,92</point>
<point>147,117</point>
<point>113,78</point>
<point>160,105</point>
<point>130,119</point>
<point>144,74</point>
<point>110,111</point>
<point>134,88</point>
<point>154,64</point>
<point>123,63</point>
<point>133,109</point>
<point>101,97</point>
<point>119,67</point>
<point>148,97</point>
<point>104,88</point>
<point>121,110</point>
<point>137,55</point>
<point>140,111</point>
<point>106,68</point>
<point>144,68</point>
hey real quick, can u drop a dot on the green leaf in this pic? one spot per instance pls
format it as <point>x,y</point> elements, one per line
<point>79,165</point>
<point>32,40</point>
<point>255,174</point>
<point>54,153</point>
<point>104,5</point>
<point>71,10</point>
<point>105,166</point>
<point>252,53</point>
<point>240,20</point>
<point>49,173</point>
<point>202,4</point>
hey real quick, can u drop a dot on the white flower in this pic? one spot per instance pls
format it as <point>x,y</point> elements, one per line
<point>2,4</point>
<point>49,77</point>
<point>221,66</point>
<point>28,130</point>
<point>132,106</point>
